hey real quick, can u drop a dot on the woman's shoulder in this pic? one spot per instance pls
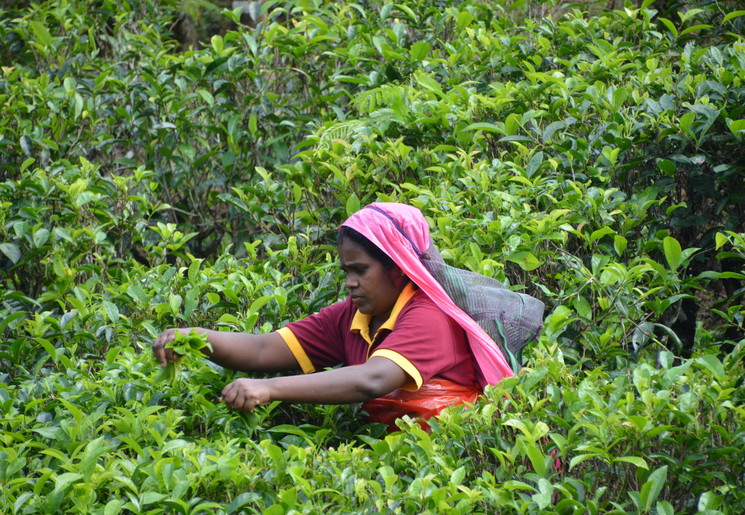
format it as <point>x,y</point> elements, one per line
<point>422,315</point>
<point>421,303</point>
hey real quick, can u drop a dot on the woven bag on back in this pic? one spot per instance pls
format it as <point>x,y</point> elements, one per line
<point>510,318</point>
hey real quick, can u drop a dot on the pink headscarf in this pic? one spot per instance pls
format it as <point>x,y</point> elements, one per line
<point>402,233</point>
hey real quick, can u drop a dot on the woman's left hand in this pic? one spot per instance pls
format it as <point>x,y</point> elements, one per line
<point>245,394</point>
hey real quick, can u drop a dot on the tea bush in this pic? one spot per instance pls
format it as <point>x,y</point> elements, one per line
<point>592,158</point>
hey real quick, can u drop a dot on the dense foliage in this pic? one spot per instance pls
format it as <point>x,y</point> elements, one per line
<point>592,159</point>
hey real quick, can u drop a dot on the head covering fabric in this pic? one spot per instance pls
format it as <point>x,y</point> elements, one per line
<point>477,303</point>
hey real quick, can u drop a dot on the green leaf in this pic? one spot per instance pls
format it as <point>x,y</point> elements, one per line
<point>534,164</point>
<point>666,166</point>
<point>242,500</point>
<point>689,13</point>
<point>619,97</point>
<point>458,475</point>
<point>28,162</point>
<point>737,127</point>
<point>694,28</point>
<point>352,205</point>
<point>665,508</point>
<point>733,15</point>
<point>93,451</point>
<point>189,344</point>
<point>79,104</point>
<point>583,308</point>
<point>600,233</point>
<point>43,37</point>
<point>464,19</point>
<point>579,459</point>
<point>686,121</point>
<point>207,96</point>
<point>25,143</point>
<point>50,432</point>
<point>543,498</point>
<point>634,460</point>
<point>551,129</point>
<point>667,23</point>
<point>712,364</point>
<point>191,302</point>
<point>429,83</point>
<point>709,502</point>
<point>194,271</point>
<point>135,291</point>
<point>484,126</point>
<point>721,240</point>
<point>217,44</point>
<point>51,350</point>
<point>512,124</point>
<point>537,459</point>
<point>84,197</point>
<point>12,251</point>
<point>515,138</point>
<point>420,50</point>
<point>672,252</point>
<point>151,497</point>
<point>64,480</point>
<point>174,301</point>
<point>168,373</point>
<point>7,319</point>
<point>652,488</point>
<point>253,124</point>
<point>525,260</point>
<point>21,499</point>
<point>619,244</point>
<point>112,311</point>
<point>40,237</point>
<point>113,507</point>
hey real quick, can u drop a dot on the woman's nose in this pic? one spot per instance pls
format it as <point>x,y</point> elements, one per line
<point>351,282</point>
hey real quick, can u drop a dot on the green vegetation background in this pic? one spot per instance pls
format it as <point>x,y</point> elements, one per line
<point>590,157</point>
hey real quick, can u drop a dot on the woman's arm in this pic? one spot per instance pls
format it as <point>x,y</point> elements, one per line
<point>236,351</point>
<point>375,378</point>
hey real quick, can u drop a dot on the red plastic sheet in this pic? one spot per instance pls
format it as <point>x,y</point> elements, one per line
<point>423,404</point>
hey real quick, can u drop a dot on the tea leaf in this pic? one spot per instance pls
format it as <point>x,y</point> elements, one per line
<point>526,260</point>
<point>420,50</point>
<point>712,364</point>
<point>732,15</point>
<point>41,32</point>
<point>672,252</point>
<point>652,487</point>
<point>737,127</point>
<point>11,251</point>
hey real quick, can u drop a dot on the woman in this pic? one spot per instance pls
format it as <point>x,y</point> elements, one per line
<point>404,346</point>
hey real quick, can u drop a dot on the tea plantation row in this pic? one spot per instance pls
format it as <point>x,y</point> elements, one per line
<point>591,158</point>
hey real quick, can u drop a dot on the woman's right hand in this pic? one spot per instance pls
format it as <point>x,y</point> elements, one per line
<point>165,355</point>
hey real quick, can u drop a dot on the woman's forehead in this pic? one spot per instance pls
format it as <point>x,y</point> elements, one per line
<point>351,253</point>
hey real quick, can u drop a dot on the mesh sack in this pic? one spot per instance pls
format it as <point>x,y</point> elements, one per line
<point>510,318</point>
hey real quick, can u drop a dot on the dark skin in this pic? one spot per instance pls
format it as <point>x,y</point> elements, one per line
<point>374,291</point>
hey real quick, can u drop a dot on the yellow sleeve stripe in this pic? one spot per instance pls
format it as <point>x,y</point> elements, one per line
<point>297,350</point>
<point>405,364</point>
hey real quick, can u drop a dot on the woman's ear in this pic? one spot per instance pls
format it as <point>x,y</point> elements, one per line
<point>399,277</point>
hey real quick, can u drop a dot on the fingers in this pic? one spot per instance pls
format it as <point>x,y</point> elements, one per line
<point>236,398</point>
<point>243,395</point>
<point>163,354</point>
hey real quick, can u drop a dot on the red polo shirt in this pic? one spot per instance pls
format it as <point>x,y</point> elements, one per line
<point>417,336</point>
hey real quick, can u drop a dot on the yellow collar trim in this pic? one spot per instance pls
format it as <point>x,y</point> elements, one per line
<point>361,321</point>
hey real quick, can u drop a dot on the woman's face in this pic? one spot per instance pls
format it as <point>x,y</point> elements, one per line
<point>373,289</point>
